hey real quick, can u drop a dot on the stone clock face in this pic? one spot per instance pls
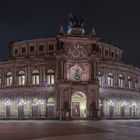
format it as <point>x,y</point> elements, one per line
<point>78,51</point>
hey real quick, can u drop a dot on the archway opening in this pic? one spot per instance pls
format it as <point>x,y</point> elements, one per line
<point>78,105</point>
<point>50,108</point>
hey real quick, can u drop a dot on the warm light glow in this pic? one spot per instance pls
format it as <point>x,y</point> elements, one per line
<point>21,78</point>
<point>50,77</point>
<point>123,103</point>
<point>121,80</point>
<point>111,102</point>
<point>8,102</point>
<point>110,79</point>
<point>35,77</point>
<point>9,79</point>
<point>134,104</point>
<point>22,102</point>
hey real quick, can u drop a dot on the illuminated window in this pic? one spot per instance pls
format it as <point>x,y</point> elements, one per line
<point>21,78</point>
<point>9,79</point>
<point>35,77</point>
<point>129,82</point>
<point>21,102</point>
<point>110,79</point>
<point>50,100</point>
<point>121,80</point>
<point>50,77</point>
<point>7,102</point>
<point>100,78</point>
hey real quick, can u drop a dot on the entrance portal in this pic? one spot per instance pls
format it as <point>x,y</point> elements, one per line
<point>78,105</point>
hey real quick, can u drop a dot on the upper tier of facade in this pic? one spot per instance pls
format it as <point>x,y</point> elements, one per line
<point>60,44</point>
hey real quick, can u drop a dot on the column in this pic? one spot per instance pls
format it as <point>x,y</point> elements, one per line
<point>27,108</point>
<point>90,71</point>
<point>28,75</point>
<point>43,76</point>
<point>14,75</point>
<point>63,75</point>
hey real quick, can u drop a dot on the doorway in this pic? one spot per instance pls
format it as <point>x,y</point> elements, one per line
<point>78,105</point>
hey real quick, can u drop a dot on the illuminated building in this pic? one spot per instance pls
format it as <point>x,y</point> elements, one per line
<point>69,76</point>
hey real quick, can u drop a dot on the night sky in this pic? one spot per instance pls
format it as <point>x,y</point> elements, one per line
<point>116,21</point>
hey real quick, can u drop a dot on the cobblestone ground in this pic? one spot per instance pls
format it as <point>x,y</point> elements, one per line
<point>70,130</point>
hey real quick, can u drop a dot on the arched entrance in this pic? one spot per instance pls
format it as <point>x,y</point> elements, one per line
<point>78,105</point>
<point>36,113</point>
<point>50,108</point>
<point>21,104</point>
<point>7,108</point>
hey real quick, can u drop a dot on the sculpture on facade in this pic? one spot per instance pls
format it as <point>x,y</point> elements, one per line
<point>75,21</point>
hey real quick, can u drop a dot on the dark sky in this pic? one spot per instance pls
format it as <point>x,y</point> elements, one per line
<point>117,21</point>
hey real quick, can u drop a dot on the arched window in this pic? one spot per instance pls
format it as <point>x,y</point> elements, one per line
<point>21,78</point>
<point>110,79</point>
<point>21,102</point>
<point>121,80</point>
<point>7,102</point>
<point>9,79</point>
<point>100,78</point>
<point>129,82</point>
<point>35,77</point>
<point>50,77</point>
<point>50,100</point>
<point>35,101</point>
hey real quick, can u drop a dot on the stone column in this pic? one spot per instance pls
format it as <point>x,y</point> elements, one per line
<point>43,75</point>
<point>15,76</point>
<point>90,71</point>
<point>116,78</point>
<point>28,75</point>
<point>3,83</point>
<point>104,76</point>
<point>97,70</point>
<point>60,105</point>
<point>14,109</point>
<point>117,107</point>
<point>27,108</point>
<point>63,75</point>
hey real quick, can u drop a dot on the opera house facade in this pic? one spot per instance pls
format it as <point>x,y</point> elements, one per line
<point>70,76</point>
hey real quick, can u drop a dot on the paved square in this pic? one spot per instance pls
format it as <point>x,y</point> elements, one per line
<point>70,130</point>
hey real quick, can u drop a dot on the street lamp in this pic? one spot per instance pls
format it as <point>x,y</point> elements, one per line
<point>111,102</point>
<point>7,102</point>
<point>123,104</point>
